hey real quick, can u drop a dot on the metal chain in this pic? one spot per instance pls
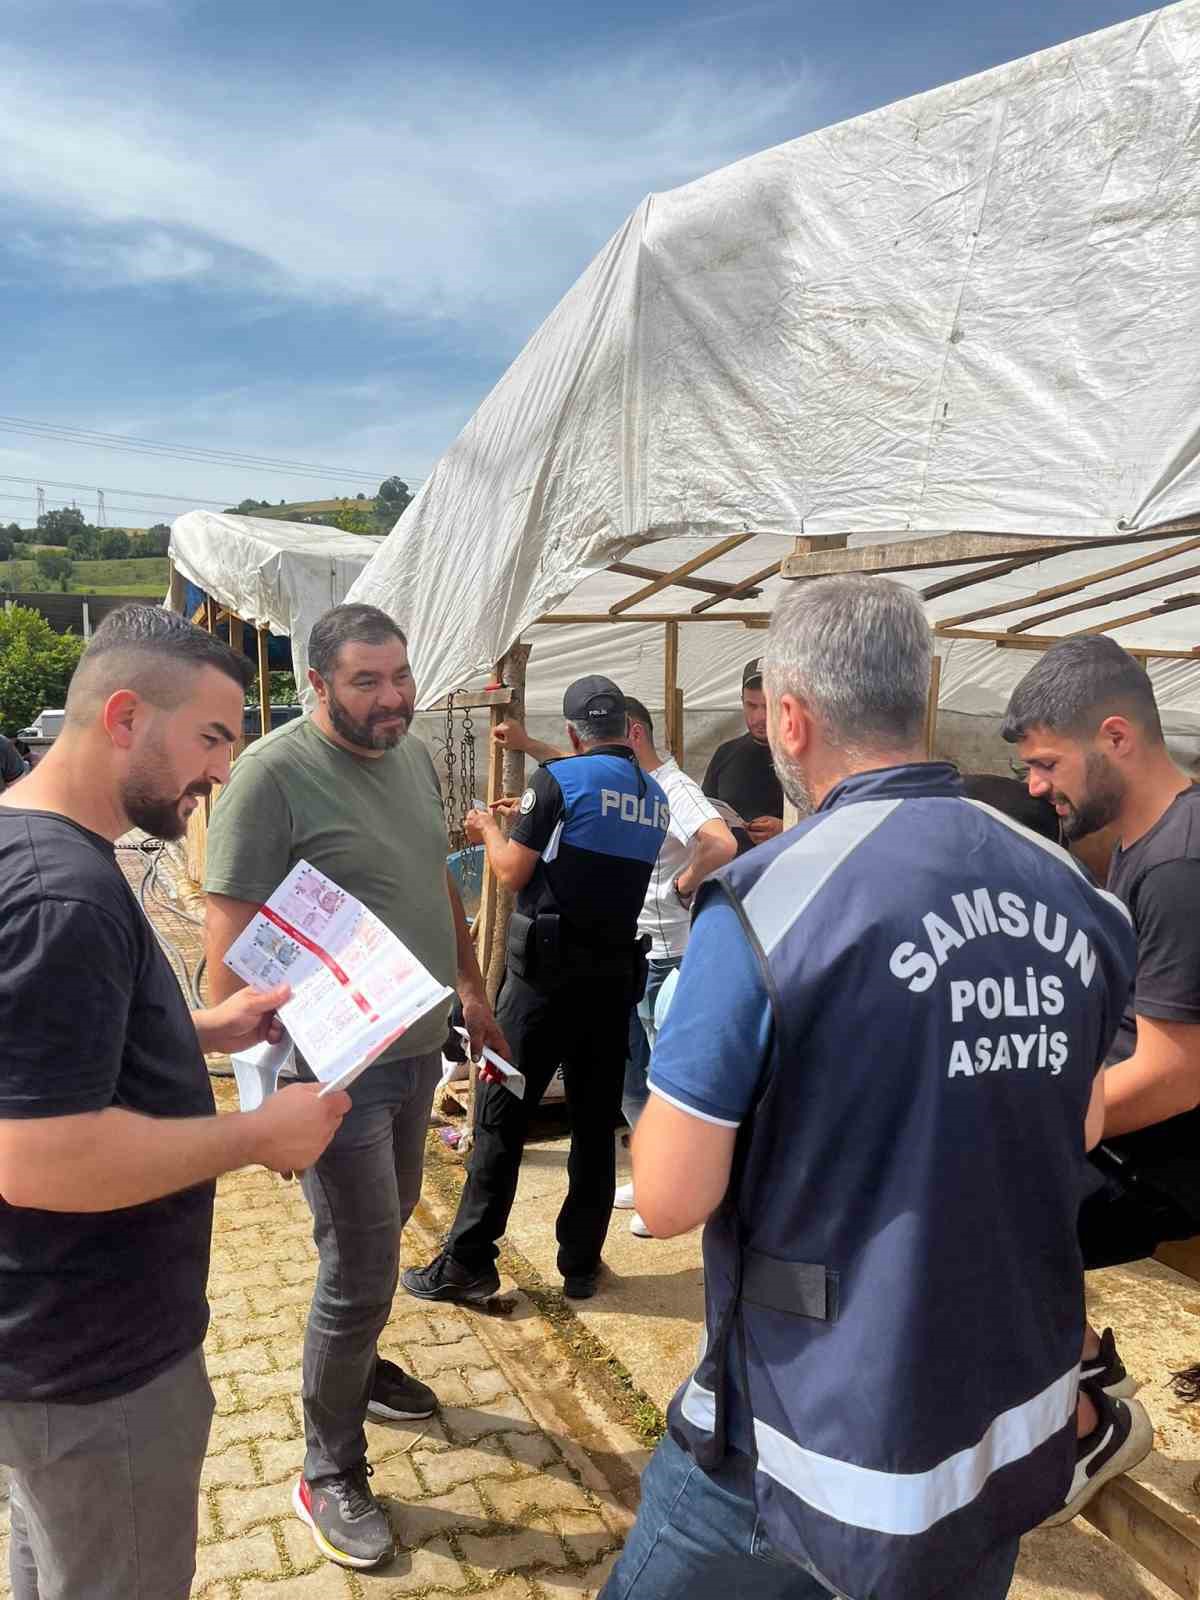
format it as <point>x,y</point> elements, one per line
<point>469,791</point>
<point>459,760</point>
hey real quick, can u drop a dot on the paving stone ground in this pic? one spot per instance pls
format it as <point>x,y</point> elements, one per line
<point>522,1487</point>
<point>494,1495</point>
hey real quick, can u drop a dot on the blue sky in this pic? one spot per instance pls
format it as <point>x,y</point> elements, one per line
<point>322,231</point>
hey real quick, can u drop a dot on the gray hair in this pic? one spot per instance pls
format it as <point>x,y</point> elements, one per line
<point>1075,686</point>
<point>613,729</point>
<point>355,624</point>
<point>858,652</point>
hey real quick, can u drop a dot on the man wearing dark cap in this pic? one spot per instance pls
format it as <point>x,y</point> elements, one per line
<point>587,833</point>
<point>741,772</point>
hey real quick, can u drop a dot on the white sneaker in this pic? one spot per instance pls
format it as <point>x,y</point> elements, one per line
<point>623,1199</point>
<point>638,1228</point>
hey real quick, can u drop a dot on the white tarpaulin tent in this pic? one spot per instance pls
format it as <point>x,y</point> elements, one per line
<point>974,310</point>
<point>282,575</point>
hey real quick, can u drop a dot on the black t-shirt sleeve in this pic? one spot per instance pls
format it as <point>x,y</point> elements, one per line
<point>712,775</point>
<point>1168,936</point>
<point>541,810</point>
<point>66,979</point>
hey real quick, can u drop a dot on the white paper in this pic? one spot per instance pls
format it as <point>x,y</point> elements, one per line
<point>257,1071</point>
<point>355,987</point>
<point>514,1081</point>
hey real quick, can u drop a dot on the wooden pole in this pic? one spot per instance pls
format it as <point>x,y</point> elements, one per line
<point>510,780</point>
<point>679,741</point>
<point>264,681</point>
<point>176,596</point>
<point>237,643</point>
<point>931,705</point>
<point>670,683</point>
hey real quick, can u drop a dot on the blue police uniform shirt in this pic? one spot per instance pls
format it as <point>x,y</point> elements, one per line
<point>598,822</point>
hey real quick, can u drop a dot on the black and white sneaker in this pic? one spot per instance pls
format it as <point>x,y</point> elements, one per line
<point>397,1396</point>
<point>445,1279</point>
<point>1122,1437</point>
<point>1107,1370</point>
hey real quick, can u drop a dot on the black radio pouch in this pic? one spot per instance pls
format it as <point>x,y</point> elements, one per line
<point>521,951</point>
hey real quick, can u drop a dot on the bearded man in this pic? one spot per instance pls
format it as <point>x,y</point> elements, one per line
<point>1086,725</point>
<point>347,791</point>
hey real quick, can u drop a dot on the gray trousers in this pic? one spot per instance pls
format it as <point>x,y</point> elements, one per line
<point>361,1193</point>
<point>104,1496</point>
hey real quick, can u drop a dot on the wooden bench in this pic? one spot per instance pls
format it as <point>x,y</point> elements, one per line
<point>1159,1537</point>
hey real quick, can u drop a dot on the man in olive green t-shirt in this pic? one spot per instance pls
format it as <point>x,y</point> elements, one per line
<point>345,790</point>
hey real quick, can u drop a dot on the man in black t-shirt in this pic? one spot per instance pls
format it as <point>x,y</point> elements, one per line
<point>588,832</point>
<point>108,1143</point>
<point>741,772</point>
<point>1086,724</point>
<point>12,766</point>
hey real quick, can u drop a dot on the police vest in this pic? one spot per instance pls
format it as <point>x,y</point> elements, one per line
<point>894,1291</point>
<point>596,864</point>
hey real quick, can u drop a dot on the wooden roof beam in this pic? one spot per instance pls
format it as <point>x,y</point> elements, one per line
<point>1073,585</point>
<point>1031,641</point>
<point>749,619</point>
<point>666,579</point>
<point>1180,602</point>
<point>960,549</point>
<point>1090,602</point>
<point>708,586</point>
<point>745,590</point>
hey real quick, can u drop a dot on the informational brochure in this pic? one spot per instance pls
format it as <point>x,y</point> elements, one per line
<point>355,987</point>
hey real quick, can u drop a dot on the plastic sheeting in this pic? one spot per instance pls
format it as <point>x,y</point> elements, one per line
<point>976,309</point>
<point>283,574</point>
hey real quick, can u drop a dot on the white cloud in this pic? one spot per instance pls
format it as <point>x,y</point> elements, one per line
<point>431,195</point>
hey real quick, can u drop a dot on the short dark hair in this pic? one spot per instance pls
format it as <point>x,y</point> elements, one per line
<point>356,624</point>
<point>1076,685</point>
<point>152,651</point>
<point>638,713</point>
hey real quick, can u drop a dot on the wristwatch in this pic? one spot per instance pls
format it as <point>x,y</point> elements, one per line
<point>684,899</point>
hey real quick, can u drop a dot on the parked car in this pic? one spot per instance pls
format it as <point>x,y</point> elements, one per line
<point>252,721</point>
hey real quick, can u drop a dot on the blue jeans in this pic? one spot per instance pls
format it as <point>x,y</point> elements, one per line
<point>641,1040</point>
<point>702,1538</point>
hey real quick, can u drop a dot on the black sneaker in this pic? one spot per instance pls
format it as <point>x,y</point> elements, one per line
<point>348,1524</point>
<point>445,1279</point>
<point>1108,1370</point>
<point>1122,1437</point>
<point>580,1285</point>
<point>396,1395</point>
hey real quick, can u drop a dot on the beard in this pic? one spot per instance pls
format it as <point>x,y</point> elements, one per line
<point>150,800</point>
<point>1103,796</point>
<point>792,779</point>
<point>368,735</point>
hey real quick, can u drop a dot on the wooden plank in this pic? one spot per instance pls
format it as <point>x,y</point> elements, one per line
<point>1058,591</point>
<point>1181,602</point>
<point>967,580</point>
<point>959,549</point>
<point>1160,1538</point>
<point>666,579</point>
<point>1090,602</point>
<point>264,681</point>
<point>627,569</point>
<point>931,704</point>
<point>510,781</point>
<point>1030,641</point>
<point>745,589</point>
<point>1183,1255</point>
<point>679,740</point>
<point>751,619</point>
<point>671,683</point>
<point>197,617</point>
<point>476,702</point>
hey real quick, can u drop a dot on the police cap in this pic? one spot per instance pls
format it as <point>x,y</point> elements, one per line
<point>592,699</point>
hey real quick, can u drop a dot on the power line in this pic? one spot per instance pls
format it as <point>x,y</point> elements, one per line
<point>148,511</point>
<point>137,445</point>
<point>92,488</point>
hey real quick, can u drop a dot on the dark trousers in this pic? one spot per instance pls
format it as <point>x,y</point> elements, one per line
<point>581,1025</point>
